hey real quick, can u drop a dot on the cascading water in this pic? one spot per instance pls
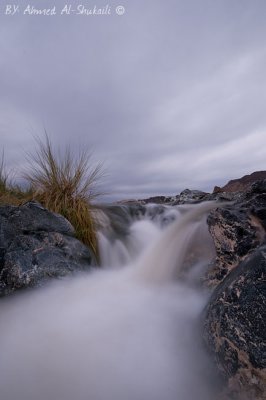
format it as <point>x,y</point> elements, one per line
<point>128,333</point>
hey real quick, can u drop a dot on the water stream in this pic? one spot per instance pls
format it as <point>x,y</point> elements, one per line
<point>128,331</point>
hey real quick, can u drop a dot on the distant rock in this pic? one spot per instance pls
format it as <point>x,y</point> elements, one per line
<point>187,196</point>
<point>36,245</point>
<point>192,196</point>
<point>217,189</point>
<point>231,191</point>
<point>163,200</point>
<point>160,200</point>
<point>241,184</point>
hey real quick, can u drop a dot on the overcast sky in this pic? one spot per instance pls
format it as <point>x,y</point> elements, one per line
<point>170,95</point>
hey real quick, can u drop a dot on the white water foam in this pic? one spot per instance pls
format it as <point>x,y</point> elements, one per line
<point>119,334</point>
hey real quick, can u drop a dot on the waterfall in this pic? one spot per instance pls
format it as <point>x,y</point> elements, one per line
<point>177,248</point>
<point>127,331</point>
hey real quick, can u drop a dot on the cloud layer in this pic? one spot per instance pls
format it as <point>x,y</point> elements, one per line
<point>169,96</point>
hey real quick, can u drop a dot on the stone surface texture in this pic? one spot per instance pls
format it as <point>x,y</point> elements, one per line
<point>36,245</point>
<point>235,318</point>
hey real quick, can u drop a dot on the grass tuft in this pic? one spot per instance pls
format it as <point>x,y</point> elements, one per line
<point>66,184</point>
<point>10,193</point>
<point>3,174</point>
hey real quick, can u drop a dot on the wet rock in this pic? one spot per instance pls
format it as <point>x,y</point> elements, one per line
<point>36,245</point>
<point>164,200</point>
<point>235,328</point>
<point>224,196</point>
<point>237,230</point>
<point>235,236</point>
<point>255,201</point>
<point>160,200</point>
<point>114,220</point>
<point>192,196</point>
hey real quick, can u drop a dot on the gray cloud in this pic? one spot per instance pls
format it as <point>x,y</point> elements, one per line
<point>170,95</point>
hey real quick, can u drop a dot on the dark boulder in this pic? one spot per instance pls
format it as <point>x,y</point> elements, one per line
<point>235,328</point>
<point>234,322</point>
<point>36,245</point>
<point>254,200</point>
<point>237,230</point>
<point>235,236</point>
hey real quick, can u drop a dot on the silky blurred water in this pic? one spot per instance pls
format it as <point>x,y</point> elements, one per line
<point>127,333</point>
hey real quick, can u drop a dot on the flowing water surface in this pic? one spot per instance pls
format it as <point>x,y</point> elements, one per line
<point>127,331</point>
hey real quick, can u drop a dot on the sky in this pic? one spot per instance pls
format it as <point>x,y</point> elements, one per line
<point>168,94</point>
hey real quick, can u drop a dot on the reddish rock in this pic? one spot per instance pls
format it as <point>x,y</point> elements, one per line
<point>241,184</point>
<point>217,189</point>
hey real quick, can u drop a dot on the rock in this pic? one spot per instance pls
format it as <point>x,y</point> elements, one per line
<point>192,196</point>
<point>255,200</point>
<point>241,184</point>
<point>164,200</point>
<point>234,325</point>
<point>224,196</point>
<point>237,230</point>
<point>36,245</point>
<point>235,236</point>
<point>160,200</point>
<point>235,328</point>
<point>217,189</point>
<point>231,191</point>
<point>114,220</point>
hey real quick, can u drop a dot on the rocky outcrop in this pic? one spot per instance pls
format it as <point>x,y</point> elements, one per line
<point>192,196</point>
<point>159,200</point>
<point>231,191</point>
<point>36,245</point>
<point>241,184</point>
<point>237,230</point>
<point>187,196</point>
<point>235,328</point>
<point>234,322</point>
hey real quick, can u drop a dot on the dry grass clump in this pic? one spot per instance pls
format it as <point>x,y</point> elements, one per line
<point>65,184</point>
<point>10,193</point>
<point>14,198</point>
<point>61,182</point>
<point>3,174</point>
